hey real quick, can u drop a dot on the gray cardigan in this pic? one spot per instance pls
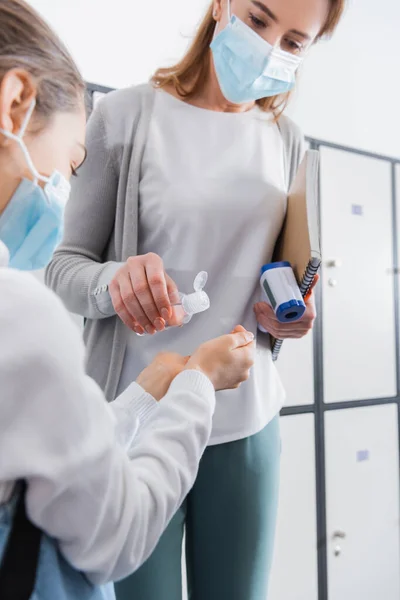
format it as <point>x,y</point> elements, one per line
<point>101,222</point>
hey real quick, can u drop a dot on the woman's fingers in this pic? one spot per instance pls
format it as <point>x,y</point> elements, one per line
<point>172,289</point>
<point>309,294</point>
<point>141,300</point>
<point>315,281</point>
<point>154,290</point>
<point>294,329</point>
<point>262,308</point>
<point>121,309</point>
<point>132,305</point>
<point>143,293</point>
<point>158,301</point>
<point>124,299</point>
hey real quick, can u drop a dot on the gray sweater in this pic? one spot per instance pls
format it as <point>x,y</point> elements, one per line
<point>101,222</point>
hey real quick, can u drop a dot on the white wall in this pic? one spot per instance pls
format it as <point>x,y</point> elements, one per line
<point>349,88</point>
<point>120,42</point>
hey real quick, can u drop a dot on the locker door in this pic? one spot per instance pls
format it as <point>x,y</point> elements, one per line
<point>358,303</point>
<point>294,572</point>
<point>362,478</point>
<point>296,369</point>
<point>397,188</point>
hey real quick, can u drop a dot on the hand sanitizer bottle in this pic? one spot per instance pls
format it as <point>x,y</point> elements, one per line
<point>190,304</point>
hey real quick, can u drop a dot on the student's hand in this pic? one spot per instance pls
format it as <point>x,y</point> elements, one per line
<point>226,360</point>
<point>158,376</point>
<point>142,293</point>
<point>281,331</point>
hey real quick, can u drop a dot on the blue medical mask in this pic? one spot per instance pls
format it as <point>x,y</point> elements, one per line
<point>31,226</point>
<point>248,68</point>
<point>4,255</point>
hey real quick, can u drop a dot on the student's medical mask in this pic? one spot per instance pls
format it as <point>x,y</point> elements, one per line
<point>31,225</point>
<point>4,255</point>
<point>248,68</point>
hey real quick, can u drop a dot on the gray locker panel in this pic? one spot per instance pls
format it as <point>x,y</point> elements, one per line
<point>358,301</point>
<point>294,572</point>
<point>362,468</point>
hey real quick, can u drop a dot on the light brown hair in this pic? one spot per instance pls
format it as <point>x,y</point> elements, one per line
<point>28,43</point>
<point>190,74</point>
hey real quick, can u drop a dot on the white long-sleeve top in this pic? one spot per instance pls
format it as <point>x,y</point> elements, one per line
<point>215,182</point>
<point>57,432</point>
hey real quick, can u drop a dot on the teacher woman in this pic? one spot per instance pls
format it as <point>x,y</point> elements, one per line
<point>184,174</point>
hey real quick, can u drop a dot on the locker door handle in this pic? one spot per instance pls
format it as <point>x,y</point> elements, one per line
<point>335,263</point>
<point>338,535</point>
<point>337,551</point>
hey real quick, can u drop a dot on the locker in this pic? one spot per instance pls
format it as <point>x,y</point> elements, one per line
<point>397,190</point>
<point>296,369</point>
<point>362,467</point>
<point>294,572</point>
<point>358,301</point>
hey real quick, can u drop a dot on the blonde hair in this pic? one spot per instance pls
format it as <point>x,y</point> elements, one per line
<point>189,75</point>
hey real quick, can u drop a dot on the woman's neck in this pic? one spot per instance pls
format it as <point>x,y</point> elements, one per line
<point>8,185</point>
<point>211,97</point>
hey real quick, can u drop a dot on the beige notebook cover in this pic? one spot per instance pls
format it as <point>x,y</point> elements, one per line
<point>299,241</point>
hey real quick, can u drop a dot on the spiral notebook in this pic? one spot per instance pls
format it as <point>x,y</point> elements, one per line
<point>299,241</point>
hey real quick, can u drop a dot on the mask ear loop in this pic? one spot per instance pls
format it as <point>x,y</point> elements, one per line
<point>27,156</point>
<point>228,4</point>
<point>18,138</point>
<point>27,118</point>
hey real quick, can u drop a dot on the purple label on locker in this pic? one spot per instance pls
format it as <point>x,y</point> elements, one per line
<point>362,455</point>
<point>357,209</point>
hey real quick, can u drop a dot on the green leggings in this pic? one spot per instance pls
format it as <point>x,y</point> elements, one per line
<point>229,518</point>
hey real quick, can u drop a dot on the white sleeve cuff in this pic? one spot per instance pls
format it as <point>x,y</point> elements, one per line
<point>137,403</point>
<point>195,382</point>
<point>132,410</point>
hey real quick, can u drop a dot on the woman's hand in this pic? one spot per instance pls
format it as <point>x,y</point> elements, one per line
<point>296,329</point>
<point>226,360</point>
<point>142,294</point>
<point>158,376</point>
